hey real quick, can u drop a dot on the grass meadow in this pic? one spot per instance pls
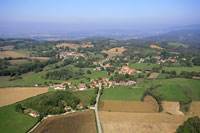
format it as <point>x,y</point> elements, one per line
<point>123,93</point>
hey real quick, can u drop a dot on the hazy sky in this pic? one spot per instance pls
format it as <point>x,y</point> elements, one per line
<point>78,14</point>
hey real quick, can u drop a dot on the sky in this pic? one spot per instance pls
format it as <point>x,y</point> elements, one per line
<point>72,15</point>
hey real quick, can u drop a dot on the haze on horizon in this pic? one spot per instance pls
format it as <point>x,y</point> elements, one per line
<point>90,15</point>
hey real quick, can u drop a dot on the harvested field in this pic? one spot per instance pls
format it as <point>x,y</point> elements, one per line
<point>156,47</point>
<point>115,51</point>
<point>172,108</point>
<point>126,106</point>
<point>174,53</point>
<point>83,122</point>
<point>13,95</point>
<point>7,47</point>
<point>195,108</point>
<point>121,122</point>
<point>74,46</point>
<point>87,45</point>
<point>13,54</point>
<point>153,75</point>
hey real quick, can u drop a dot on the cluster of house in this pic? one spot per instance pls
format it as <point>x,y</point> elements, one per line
<point>93,84</point>
<point>35,114</point>
<point>66,55</point>
<point>159,60</point>
<point>69,108</point>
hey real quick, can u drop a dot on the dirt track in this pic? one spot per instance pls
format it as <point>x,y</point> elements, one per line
<point>83,122</point>
<point>13,95</point>
<point>122,122</point>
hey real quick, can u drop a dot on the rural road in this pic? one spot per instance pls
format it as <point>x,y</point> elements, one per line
<point>96,111</point>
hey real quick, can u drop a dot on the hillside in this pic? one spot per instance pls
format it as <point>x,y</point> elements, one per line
<point>181,36</point>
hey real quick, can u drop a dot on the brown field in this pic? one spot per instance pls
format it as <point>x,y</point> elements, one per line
<point>87,45</point>
<point>74,46</point>
<point>13,95</point>
<point>122,122</point>
<point>7,47</point>
<point>13,54</point>
<point>126,106</point>
<point>156,47</point>
<point>112,52</point>
<point>153,75</point>
<point>174,53</point>
<point>171,107</point>
<point>80,122</point>
<point>40,58</point>
<point>195,108</point>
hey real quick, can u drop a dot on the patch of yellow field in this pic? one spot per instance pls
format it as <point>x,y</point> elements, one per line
<point>156,47</point>
<point>114,51</point>
<point>13,54</point>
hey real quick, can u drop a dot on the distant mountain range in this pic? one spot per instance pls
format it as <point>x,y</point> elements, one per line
<point>181,36</point>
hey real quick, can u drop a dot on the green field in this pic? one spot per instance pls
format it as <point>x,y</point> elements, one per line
<point>179,69</point>
<point>143,66</point>
<point>162,76</point>
<point>123,93</point>
<point>175,44</point>
<point>85,95</point>
<point>14,122</point>
<point>178,89</point>
<point>28,79</point>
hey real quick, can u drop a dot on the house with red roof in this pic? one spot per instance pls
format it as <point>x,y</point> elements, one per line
<point>80,106</point>
<point>66,83</point>
<point>126,70</point>
<point>60,87</point>
<point>82,87</point>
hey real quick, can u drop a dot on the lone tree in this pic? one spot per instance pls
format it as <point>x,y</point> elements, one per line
<point>192,125</point>
<point>18,108</point>
<point>89,72</point>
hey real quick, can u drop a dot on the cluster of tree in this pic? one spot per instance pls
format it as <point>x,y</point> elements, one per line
<point>93,99</point>
<point>189,74</point>
<point>36,66</point>
<point>51,53</point>
<point>4,64</point>
<point>53,103</point>
<point>122,77</point>
<point>19,108</point>
<point>191,125</point>
<point>196,61</point>
<point>63,74</point>
<point>84,64</point>
<point>173,72</point>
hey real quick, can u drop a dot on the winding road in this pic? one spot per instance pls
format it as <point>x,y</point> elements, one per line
<point>96,111</point>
